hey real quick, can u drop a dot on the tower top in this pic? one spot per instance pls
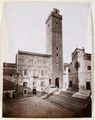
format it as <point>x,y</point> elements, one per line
<point>55,10</point>
<point>54,13</point>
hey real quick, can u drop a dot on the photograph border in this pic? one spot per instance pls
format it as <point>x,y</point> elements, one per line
<point>92,2</point>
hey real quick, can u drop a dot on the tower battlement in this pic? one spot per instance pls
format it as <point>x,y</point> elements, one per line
<point>56,10</point>
<point>54,13</point>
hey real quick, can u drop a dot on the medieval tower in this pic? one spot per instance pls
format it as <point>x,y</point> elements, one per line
<point>54,46</point>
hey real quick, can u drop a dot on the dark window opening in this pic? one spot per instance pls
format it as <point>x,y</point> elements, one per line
<point>34,91</point>
<point>57,48</point>
<point>70,83</point>
<point>69,70</point>
<point>49,81</point>
<point>87,85</point>
<point>11,75</point>
<point>57,82</point>
<point>56,22</point>
<point>87,57</point>
<point>57,54</point>
<point>25,91</point>
<point>89,67</point>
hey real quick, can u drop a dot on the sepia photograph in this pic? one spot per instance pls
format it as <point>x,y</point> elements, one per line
<point>47,71</point>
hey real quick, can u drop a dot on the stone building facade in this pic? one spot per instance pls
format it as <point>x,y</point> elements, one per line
<point>9,73</point>
<point>35,70</point>
<point>79,71</point>
<point>9,78</point>
<point>54,46</point>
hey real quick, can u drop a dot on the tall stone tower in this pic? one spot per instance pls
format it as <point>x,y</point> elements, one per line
<point>54,46</point>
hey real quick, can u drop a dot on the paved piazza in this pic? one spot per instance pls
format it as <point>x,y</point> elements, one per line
<point>33,107</point>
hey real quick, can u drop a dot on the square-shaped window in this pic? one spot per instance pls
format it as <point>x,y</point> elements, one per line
<point>87,85</point>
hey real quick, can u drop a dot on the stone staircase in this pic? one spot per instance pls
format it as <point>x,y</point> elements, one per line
<point>48,91</point>
<point>77,106</point>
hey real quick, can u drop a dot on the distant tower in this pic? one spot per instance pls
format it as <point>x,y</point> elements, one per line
<point>54,46</point>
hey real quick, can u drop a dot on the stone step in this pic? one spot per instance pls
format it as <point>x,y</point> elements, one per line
<point>71,99</point>
<point>71,113</point>
<point>65,104</point>
<point>69,95</point>
<point>66,93</point>
<point>41,94</point>
<point>81,95</point>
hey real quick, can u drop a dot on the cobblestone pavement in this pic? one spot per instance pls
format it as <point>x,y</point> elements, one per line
<point>33,107</point>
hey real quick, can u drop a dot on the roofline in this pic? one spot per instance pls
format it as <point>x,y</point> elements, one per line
<point>32,53</point>
<point>78,49</point>
<point>69,63</point>
<point>9,63</point>
<point>88,53</point>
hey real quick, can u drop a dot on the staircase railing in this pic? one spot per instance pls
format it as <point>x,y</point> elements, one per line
<point>48,91</point>
<point>44,89</point>
<point>51,92</point>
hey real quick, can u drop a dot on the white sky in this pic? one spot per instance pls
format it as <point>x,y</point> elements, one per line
<point>24,27</point>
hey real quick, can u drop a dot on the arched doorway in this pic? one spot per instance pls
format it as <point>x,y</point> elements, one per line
<point>57,82</point>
